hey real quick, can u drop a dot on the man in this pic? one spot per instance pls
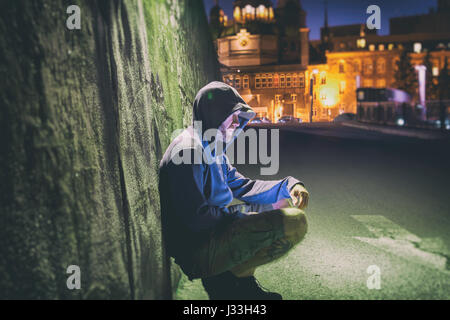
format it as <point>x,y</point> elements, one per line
<point>210,239</point>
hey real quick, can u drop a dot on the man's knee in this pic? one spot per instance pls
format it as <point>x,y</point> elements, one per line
<point>295,224</point>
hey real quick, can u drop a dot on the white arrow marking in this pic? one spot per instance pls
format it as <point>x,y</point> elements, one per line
<point>393,238</point>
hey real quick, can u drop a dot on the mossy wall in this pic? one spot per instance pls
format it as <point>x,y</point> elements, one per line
<point>85,118</point>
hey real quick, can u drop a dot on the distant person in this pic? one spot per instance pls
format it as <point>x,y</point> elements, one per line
<point>210,239</point>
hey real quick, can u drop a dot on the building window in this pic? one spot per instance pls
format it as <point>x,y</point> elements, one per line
<point>341,67</point>
<point>372,47</point>
<point>237,82</point>
<point>381,83</point>
<point>417,47</point>
<point>269,80</point>
<point>237,14</point>
<point>381,47</point>
<point>276,80</point>
<point>323,77</point>
<point>381,66</point>
<point>367,83</point>
<point>435,71</point>
<point>295,80</point>
<point>245,82</point>
<point>294,97</point>
<point>390,46</point>
<point>342,87</point>
<point>264,81</point>
<point>361,43</point>
<point>278,98</point>
<point>282,81</point>
<point>301,80</point>
<point>258,81</point>
<point>288,81</point>
<point>368,66</point>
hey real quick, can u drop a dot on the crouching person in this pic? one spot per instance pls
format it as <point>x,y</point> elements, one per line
<point>210,239</point>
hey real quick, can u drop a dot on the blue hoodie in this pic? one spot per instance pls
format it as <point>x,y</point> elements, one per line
<point>195,195</point>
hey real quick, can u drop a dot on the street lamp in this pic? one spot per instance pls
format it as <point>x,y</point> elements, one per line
<point>311,93</point>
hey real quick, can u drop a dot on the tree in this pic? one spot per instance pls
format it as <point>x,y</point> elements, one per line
<point>405,75</point>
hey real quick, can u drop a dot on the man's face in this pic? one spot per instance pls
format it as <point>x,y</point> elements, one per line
<point>229,125</point>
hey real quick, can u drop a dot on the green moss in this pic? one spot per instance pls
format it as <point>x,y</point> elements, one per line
<point>85,118</point>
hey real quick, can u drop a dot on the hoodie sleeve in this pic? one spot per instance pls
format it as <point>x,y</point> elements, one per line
<point>258,191</point>
<point>187,184</point>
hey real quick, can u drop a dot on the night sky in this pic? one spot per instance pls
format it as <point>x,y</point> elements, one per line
<point>342,12</point>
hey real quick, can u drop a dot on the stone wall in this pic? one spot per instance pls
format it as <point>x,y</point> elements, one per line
<point>85,118</point>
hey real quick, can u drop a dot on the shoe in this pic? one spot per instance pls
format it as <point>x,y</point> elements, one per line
<point>226,286</point>
<point>251,289</point>
<point>223,286</point>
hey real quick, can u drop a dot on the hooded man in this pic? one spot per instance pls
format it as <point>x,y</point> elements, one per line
<point>210,239</point>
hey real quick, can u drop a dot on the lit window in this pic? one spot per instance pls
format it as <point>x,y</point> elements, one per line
<point>390,46</point>
<point>237,14</point>
<point>249,12</point>
<point>417,47</point>
<point>269,80</point>
<point>342,87</point>
<point>341,67</point>
<point>435,71</point>
<point>381,47</point>
<point>301,80</point>
<point>372,47</point>
<point>260,12</point>
<point>288,81</point>
<point>264,80</point>
<point>323,77</point>
<point>282,81</point>
<point>237,82</point>
<point>367,83</point>
<point>294,97</point>
<point>361,43</point>
<point>258,81</point>
<point>381,66</point>
<point>276,81</point>
<point>296,83</point>
<point>277,97</point>
<point>245,82</point>
<point>381,83</point>
<point>368,66</point>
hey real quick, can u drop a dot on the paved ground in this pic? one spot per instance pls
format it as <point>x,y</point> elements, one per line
<point>376,200</point>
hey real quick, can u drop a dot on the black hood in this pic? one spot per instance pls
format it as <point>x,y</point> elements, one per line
<point>215,102</point>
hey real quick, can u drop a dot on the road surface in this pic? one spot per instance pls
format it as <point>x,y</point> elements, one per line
<point>379,217</point>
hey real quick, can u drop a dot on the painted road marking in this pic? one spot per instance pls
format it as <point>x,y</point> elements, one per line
<point>393,238</point>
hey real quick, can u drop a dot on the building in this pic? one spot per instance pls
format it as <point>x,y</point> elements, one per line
<point>266,54</point>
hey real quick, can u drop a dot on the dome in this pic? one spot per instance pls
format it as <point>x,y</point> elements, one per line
<point>253,3</point>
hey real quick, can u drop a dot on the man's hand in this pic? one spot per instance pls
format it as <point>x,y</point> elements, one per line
<point>299,196</point>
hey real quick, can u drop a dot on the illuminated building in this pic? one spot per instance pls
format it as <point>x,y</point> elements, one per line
<point>266,68</point>
<point>266,55</point>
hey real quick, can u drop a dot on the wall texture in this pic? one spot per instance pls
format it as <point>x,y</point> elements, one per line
<point>85,117</point>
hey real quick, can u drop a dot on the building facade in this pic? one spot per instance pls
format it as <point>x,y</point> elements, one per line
<point>268,58</point>
<point>264,54</point>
